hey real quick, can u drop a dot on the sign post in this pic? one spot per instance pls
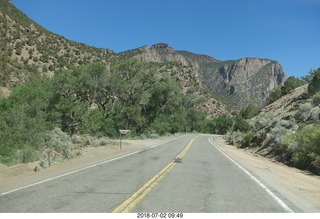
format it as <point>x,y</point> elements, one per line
<point>122,132</point>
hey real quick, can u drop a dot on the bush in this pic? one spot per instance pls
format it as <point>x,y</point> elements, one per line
<point>303,112</point>
<point>60,142</point>
<point>240,124</point>
<point>274,95</point>
<point>276,133</point>
<point>304,145</point>
<point>261,121</point>
<point>247,139</point>
<point>249,112</point>
<point>316,99</point>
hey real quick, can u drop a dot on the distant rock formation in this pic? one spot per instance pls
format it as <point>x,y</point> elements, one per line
<point>236,83</point>
<point>243,82</point>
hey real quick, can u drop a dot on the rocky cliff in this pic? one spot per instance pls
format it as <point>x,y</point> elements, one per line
<point>236,83</point>
<point>242,82</point>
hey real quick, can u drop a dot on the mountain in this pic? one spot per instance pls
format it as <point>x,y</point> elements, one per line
<point>29,50</point>
<point>236,83</point>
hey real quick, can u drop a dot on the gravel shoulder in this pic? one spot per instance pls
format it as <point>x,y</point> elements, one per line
<point>300,187</point>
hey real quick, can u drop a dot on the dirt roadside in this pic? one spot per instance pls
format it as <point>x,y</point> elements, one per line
<point>301,188</point>
<point>22,175</point>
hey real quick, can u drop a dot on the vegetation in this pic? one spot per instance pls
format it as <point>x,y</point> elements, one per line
<point>314,85</point>
<point>96,100</point>
<point>290,84</point>
<point>292,138</point>
<point>26,48</point>
<point>274,95</point>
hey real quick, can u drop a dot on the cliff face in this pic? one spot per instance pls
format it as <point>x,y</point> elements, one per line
<point>243,82</point>
<point>237,83</point>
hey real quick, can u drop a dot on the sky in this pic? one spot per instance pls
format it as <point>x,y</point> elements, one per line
<point>287,31</point>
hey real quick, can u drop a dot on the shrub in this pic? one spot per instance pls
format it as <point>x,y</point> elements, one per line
<point>60,142</point>
<point>303,112</point>
<point>261,121</point>
<point>274,95</point>
<point>247,139</point>
<point>27,154</point>
<point>316,99</point>
<point>276,133</point>
<point>240,124</point>
<point>249,112</point>
<point>305,147</point>
<point>315,114</point>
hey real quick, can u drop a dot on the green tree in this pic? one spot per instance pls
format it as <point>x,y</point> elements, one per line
<point>24,121</point>
<point>220,125</point>
<point>131,82</point>
<point>240,124</point>
<point>309,76</point>
<point>314,85</point>
<point>290,84</point>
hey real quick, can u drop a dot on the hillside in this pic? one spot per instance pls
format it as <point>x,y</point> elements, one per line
<point>29,49</point>
<point>287,130</point>
<point>249,79</point>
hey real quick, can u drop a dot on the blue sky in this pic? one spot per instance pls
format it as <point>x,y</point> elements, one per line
<point>287,31</point>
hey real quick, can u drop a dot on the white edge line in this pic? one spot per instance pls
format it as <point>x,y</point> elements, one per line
<point>274,196</point>
<point>88,167</point>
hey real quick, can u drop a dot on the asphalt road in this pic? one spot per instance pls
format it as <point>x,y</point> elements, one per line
<point>188,174</point>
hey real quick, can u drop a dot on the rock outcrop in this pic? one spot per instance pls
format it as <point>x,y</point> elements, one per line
<point>243,82</point>
<point>236,83</point>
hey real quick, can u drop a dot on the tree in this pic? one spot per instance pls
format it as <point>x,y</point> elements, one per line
<point>220,125</point>
<point>314,85</point>
<point>309,76</point>
<point>290,84</point>
<point>131,82</point>
<point>24,121</point>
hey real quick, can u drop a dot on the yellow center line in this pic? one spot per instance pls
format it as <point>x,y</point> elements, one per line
<point>133,200</point>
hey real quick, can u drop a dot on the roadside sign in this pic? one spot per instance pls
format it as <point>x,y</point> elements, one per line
<point>122,132</point>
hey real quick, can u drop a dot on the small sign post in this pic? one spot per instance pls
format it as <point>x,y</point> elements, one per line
<point>122,132</point>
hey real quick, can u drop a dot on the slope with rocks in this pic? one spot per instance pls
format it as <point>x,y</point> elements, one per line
<point>28,49</point>
<point>286,130</point>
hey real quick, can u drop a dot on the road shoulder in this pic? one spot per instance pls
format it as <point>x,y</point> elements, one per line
<point>300,187</point>
<point>22,175</point>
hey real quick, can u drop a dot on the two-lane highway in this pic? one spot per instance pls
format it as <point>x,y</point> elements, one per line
<point>187,174</point>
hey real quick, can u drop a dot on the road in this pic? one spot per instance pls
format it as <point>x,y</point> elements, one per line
<point>187,174</point>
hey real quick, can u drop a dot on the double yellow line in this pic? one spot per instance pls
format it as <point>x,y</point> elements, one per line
<point>132,201</point>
